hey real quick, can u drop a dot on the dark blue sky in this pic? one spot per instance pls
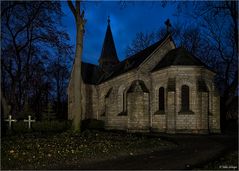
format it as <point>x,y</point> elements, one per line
<point>125,23</point>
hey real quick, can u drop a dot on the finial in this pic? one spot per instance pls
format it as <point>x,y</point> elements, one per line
<point>168,25</point>
<point>108,20</point>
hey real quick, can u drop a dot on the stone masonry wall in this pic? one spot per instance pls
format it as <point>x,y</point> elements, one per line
<point>159,123</point>
<point>138,113</point>
<point>140,110</point>
<point>201,104</point>
<point>187,120</point>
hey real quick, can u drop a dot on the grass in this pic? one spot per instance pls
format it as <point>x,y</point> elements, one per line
<point>39,151</point>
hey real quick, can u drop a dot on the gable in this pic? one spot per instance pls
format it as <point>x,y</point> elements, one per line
<point>154,58</point>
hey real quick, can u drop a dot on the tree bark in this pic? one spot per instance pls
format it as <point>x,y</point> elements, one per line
<point>76,80</point>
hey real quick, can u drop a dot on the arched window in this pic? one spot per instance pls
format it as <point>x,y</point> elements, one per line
<point>108,93</point>
<point>106,101</point>
<point>124,101</point>
<point>161,99</point>
<point>185,98</point>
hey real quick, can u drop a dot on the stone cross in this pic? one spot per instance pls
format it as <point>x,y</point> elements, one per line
<point>10,120</point>
<point>168,25</point>
<point>108,20</point>
<point>29,121</point>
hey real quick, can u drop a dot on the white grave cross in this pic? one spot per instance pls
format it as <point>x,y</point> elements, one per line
<point>29,121</point>
<point>10,120</point>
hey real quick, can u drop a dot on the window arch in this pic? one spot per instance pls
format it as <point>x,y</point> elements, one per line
<point>122,97</point>
<point>185,98</point>
<point>108,93</point>
<point>124,101</point>
<point>106,97</point>
<point>161,99</point>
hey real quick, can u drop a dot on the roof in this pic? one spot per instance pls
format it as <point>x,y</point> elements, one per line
<point>90,73</point>
<point>179,56</point>
<point>135,60</point>
<point>93,74</point>
<point>108,52</point>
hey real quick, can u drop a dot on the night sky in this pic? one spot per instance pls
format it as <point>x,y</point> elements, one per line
<point>125,23</point>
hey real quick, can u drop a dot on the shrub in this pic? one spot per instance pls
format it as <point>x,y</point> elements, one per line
<point>92,124</point>
<point>51,126</point>
<point>19,127</point>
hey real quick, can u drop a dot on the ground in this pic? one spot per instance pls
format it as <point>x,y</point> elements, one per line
<point>39,151</point>
<point>227,161</point>
<point>117,150</point>
<point>193,151</point>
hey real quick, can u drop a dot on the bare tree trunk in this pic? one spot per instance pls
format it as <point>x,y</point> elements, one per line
<point>77,81</point>
<point>4,106</point>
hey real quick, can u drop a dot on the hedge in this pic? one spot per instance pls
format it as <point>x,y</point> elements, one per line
<point>92,124</point>
<point>21,127</point>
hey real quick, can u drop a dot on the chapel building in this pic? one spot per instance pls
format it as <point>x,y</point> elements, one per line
<point>162,88</point>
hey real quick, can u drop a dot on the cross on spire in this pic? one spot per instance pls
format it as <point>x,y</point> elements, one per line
<point>168,25</point>
<point>108,20</point>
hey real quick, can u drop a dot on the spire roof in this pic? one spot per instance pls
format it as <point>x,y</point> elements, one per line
<point>108,53</point>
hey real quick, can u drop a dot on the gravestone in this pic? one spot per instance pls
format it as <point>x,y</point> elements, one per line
<point>10,120</point>
<point>29,121</point>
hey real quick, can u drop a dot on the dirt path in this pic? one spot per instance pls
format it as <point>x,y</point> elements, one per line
<point>192,151</point>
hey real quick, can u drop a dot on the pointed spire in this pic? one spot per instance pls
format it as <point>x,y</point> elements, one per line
<point>108,57</point>
<point>108,20</point>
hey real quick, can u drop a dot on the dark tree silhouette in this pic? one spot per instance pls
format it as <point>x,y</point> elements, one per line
<point>31,37</point>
